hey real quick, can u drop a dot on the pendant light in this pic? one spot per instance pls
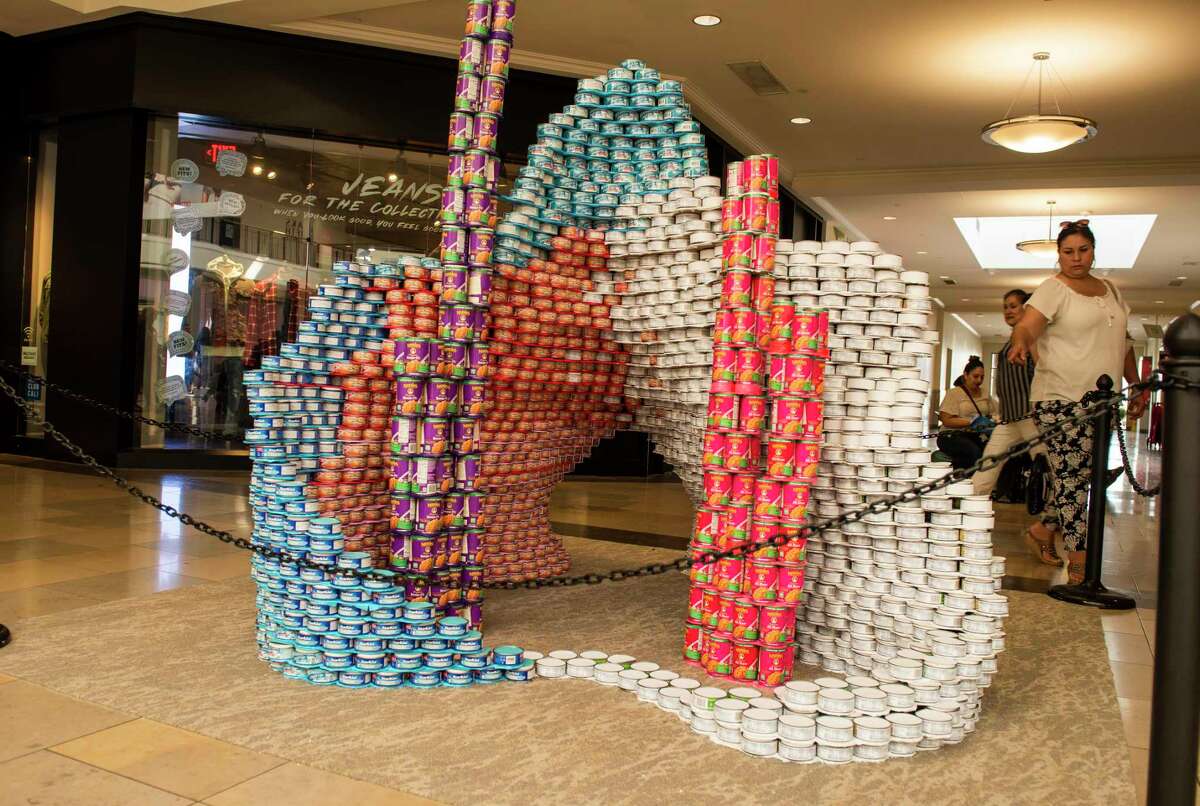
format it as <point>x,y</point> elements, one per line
<point>1042,248</point>
<point>1039,133</point>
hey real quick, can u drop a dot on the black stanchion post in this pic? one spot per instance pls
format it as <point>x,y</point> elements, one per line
<point>1092,591</point>
<point>1175,714</point>
<point>5,636</point>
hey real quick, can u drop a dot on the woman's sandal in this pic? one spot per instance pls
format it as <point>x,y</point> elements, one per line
<point>1044,551</point>
<point>1076,565</point>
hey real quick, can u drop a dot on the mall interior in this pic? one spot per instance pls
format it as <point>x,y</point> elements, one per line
<point>697,400</point>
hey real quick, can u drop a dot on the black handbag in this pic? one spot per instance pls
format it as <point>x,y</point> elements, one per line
<point>1037,484</point>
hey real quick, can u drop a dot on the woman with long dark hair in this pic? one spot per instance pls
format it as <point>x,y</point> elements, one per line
<point>1078,323</point>
<point>967,415</point>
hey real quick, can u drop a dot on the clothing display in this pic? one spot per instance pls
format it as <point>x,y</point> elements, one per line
<point>262,325</point>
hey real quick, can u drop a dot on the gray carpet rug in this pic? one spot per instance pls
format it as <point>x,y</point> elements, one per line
<point>1050,733</point>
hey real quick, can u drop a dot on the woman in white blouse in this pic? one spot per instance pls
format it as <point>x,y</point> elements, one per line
<point>1078,323</point>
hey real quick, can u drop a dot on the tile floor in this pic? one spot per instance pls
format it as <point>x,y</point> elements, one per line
<point>70,540</point>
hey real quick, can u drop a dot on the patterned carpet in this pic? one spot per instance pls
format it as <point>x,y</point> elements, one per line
<point>1051,730</point>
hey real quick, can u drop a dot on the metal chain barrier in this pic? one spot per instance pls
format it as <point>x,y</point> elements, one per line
<point>652,569</point>
<point>1148,492</point>
<point>113,410</point>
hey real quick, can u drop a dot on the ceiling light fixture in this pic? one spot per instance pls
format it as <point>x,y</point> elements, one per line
<point>1042,248</point>
<point>1039,133</point>
<point>922,253</point>
<point>1158,302</point>
<point>707,20</point>
<point>257,170</point>
<point>801,121</point>
<point>392,177</point>
<point>271,174</point>
<point>889,218</point>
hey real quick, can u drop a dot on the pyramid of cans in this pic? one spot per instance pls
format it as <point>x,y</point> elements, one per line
<point>319,494</point>
<point>560,376</point>
<point>907,597</point>
<point>668,282</point>
<point>761,445</point>
<point>830,720</point>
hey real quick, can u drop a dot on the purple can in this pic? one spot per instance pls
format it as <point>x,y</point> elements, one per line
<point>471,577</point>
<point>462,131</point>
<point>453,207</point>
<point>429,515</point>
<point>474,397</point>
<point>479,361</point>
<point>405,434</point>
<point>480,243</point>
<point>470,55</point>
<point>466,470</point>
<point>474,508</point>
<point>425,479</point>
<point>403,512</point>
<point>479,18</point>
<point>454,245</point>
<point>495,59</point>
<point>456,510</point>
<point>435,436</point>
<point>487,132</point>
<point>475,169</point>
<point>402,471</point>
<point>442,552</point>
<point>478,207</point>
<point>472,542</point>
<point>491,95</point>
<point>452,359</point>
<point>464,432</point>
<point>398,560</point>
<point>503,13</point>
<point>441,395</point>
<point>456,170</point>
<point>410,396</point>
<point>413,357</point>
<point>416,587</point>
<point>419,551</point>
<point>466,92</point>
<point>455,280</point>
<point>438,589</point>
<point>457,323</point>
<point>445,473</point>
<point>472,612</point>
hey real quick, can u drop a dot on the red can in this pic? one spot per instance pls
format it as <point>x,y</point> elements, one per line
<point>732,219</point>
<point>745,661</point>
<point>762,537</point>
<point>793,551</point>
<point>735,179</point>
<point>811,331</point>
<point>762,295</point>
<point>720,655</point>
<point>693,639</point>
<point>791,583</point>
<point>808,455</point>
<point>741,451</point>
<point>775,665</point>
<point>780,329</point>
<point>776,373</point>
<point>724,373</point>
<point>729,574</point>
<point>777,624</point>
<point>781,458</point>
<point>805,375</point>
<point>723,326</point>
<point>722,411</point>
<point>752,414</point>
<point>710,604</point>
<point>737,252</point>
<point>787,416</point>
<point>717,487</point>
<point>762,332</point>
<point>762,577</point>
<point>768,499</point>
<point>737,289</point>
<point>744,327</point>
<point>738,523</point>
<point>794,505</point>
<point>745,620</point>
<point>773,216</point>
<point>695,604</point>
<point>741,490</point>
<point>725,603</point>
<point>710,524</point>
<point>762,260</point>
<point>715,450</point>
<point>754,211</point>
<point>750,365</point>
<point>761,174</point>
<point>702,573</point>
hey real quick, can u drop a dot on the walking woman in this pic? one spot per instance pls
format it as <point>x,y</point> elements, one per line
<point>1078,323</point>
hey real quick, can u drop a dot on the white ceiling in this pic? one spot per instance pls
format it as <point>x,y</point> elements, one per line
<point>897,92</point>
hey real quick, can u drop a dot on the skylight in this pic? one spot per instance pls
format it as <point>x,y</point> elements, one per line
<point>993,240</point>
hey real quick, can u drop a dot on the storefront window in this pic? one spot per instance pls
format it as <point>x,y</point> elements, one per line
<point>36,305</point>
<point>238,229</point>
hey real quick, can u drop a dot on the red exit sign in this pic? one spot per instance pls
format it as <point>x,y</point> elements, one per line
<point>215,150</point>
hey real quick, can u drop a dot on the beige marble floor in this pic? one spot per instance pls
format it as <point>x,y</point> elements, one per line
<point>70,540</point>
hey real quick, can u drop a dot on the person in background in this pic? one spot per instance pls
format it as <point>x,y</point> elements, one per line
<point>1012,386</point>
<point>967,415</point>
<point>1078,323</point>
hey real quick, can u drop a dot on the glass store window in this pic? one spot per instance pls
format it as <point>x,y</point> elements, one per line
<point>239,227</point>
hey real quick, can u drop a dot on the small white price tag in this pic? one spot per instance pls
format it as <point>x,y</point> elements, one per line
<point>184,170</point>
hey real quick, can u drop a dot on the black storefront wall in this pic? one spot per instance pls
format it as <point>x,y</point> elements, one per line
<point>99,83</point>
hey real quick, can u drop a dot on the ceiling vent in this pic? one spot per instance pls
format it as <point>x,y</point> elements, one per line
<point>948,280</point>
<point>1175,283</point>
<point>757,77</point>
<point>1152,331</point>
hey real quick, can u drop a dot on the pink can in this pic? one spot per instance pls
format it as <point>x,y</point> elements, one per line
<point>710,524</point>
<point>768,499</point>
<point>741,490</point>
<point>775,665</point>
<point>737,252</point>
<point>793,551</point>
<point>745,661</point>
<point>702,573</point>
<point>794,503</point>
<point>738,524</point>
<point>693,639</point>
<point>763,257</point>
<point>791,583</point>
<point>745,619</point>
<point>750,365</point>
<point>778,624</point>
<point>709,606</point>
<point>695,604</point>
<point>808,456</point>
<point>724,373</point>
<point>715,450</point>
<point>810,331</point>
<point>781,458</point>
<point>720,655</point>
<point>723,326</point>
<point>725,606</point>
<point>717,487</point>
<point>732,219</point>
<point>762,537</point>
<point>762,578</point>
<point>805,375</point>
<point>737,288</point>
<point>777,373</point>
<point>722,411</point>
<point>729,575</point>
<point>741,451</point>
<point>752,414</point>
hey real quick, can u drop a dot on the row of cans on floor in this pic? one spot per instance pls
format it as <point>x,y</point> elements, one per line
<point>780,329</point>
<point>733,614</point>
<point>787,456</point>
<point>740,496</point>
<point>760,579</point>
<point>423,357</point>
<point>783,413</point>
<point>440,397</point>
<point>727,658</point>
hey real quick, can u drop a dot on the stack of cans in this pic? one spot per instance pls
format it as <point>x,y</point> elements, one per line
<point>741,616</point>
<point>319,492</point>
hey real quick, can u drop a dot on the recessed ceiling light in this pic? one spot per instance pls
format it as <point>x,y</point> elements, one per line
<point>801,121</point>
<point>1085,212</point>
<point>889,218</point>
<point>922,253</point>
<point>966,299</point>
<point>1181,277</point>
<point>1158,302</point>
<point>707,20</point>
